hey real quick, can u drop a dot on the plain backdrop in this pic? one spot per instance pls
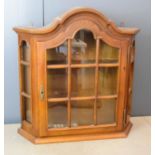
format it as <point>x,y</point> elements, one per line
<point>133,13</point>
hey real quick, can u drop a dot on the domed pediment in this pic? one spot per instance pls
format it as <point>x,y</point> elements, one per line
<point>80,14</point>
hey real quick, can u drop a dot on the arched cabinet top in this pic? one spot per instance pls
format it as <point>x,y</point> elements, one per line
<point>80,17</point>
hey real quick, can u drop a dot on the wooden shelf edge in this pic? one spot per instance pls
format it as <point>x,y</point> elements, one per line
<point>82,98</point>
<point>107,97</point>
<point>83,65</point>
<point>72,138</point>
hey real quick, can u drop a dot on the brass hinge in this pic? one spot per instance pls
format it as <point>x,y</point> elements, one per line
<point>124,117</point>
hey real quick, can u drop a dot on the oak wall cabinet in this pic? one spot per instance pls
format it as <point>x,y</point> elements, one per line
<point>76,78</point>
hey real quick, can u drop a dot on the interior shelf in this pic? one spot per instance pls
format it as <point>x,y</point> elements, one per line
<point>82,98</point>
<point>78,61</point>
<point>83,65</point>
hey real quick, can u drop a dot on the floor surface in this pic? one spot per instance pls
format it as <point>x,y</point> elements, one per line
<point>137,143</point>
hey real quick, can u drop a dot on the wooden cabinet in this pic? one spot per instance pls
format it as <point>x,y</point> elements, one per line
<point>76,78</point>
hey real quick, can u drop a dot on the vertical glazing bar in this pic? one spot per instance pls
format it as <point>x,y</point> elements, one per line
<point>96,81</point>
<point>69,83</point>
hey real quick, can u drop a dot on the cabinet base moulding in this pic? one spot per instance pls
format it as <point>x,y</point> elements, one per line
<point>72,138</point>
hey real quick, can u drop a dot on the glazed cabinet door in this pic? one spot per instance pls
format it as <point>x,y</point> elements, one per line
<point>81,78</point>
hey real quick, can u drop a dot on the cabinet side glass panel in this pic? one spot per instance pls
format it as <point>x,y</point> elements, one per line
<point>27,109</point>
<point>25,52</point>
<point>26,81</point>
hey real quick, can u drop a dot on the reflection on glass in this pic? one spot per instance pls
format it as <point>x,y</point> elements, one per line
<point>83,47</point>
<point>27,109</point>
<point>106,111</point>
<point>82,113</point>
<point>57,115</point>
<point>25,51</point>
<point>25,79</point>
<point>82,82</point>
<point>57,83</point>
<point>108,54</point>
<point>107,81</point>
<point>58,55</point>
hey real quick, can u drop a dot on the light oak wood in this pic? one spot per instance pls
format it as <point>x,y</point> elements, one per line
<point>76,78</point>
<point>72,12</point>
<point>86,137</point>
<point>57,99</point>
<point>56,66</point>
<point>25,95</point>
<point>24,63</point>
<point>69,82</point>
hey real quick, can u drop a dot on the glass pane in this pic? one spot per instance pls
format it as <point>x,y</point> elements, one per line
<point>57,115</point>
<point>25,52</point>
<point>26,79</point>
<point>57,83</point>
<point>107,81</point>
<point>131,76</point>
<point>106,111</point>
<point>108,54</point>
<point>83,82</point>
<point>27,109</point>
<point>82,113</point>
<point>58,55</point>
<point>129,103</point>
<point>83,47</point>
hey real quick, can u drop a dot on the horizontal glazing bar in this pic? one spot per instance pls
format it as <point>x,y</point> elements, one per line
<point>25,95</point>
<point>81,98</point>
<point>82,65</point>
<point>109,65</point>
<point>56,66</point>
<point>107,97</point>
<point>26,63</point>
<point>57,99</point>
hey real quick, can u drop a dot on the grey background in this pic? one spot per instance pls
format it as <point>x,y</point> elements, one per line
<point>134,13</point>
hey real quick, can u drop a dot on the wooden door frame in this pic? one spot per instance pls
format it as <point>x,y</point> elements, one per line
<point>41,72</point>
